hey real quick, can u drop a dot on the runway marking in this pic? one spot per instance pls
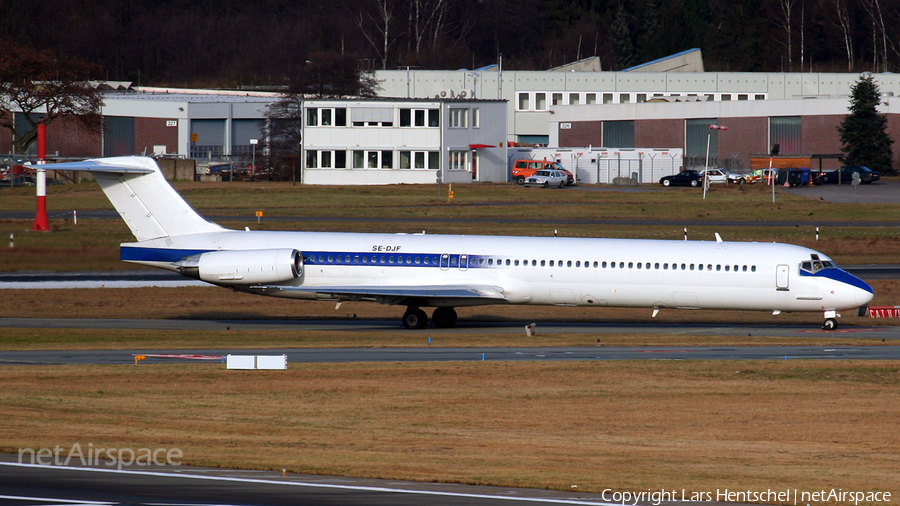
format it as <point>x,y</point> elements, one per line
<point>361,488</point>
<point>73,502</point>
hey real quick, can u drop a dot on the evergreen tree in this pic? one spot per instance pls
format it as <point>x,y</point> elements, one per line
<point>621,38</point>
<point>863,132</point>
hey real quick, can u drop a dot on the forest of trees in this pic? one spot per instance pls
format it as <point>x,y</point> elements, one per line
<point>266,43</point>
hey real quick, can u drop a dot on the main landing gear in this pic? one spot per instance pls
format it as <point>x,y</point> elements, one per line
<point>415,318</point>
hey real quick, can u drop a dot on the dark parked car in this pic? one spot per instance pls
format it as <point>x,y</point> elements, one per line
<point>683,178</point>
<point>866,175</point>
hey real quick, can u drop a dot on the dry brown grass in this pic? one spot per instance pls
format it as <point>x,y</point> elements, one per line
<point>636,425</point>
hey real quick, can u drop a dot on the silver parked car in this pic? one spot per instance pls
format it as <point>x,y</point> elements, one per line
<point>547,179</point>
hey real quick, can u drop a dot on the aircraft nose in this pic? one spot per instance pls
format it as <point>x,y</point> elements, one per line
<point>862,293</point>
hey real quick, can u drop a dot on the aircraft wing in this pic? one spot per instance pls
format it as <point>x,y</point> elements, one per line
<point>394,294</point>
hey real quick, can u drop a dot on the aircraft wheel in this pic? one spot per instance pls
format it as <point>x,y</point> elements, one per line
<point>415,319</point>
<point>444,317</point>
<point>830,324</point>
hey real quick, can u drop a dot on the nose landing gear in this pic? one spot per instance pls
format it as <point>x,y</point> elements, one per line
<point>830,320</point>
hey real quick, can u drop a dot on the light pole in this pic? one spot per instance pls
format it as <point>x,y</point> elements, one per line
<point>706,172</point>
<point>253,143</point>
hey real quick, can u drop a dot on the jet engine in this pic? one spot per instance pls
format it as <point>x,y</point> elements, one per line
<point>244,267</point>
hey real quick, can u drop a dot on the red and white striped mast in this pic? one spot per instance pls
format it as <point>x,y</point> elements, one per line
<point>40,217</point>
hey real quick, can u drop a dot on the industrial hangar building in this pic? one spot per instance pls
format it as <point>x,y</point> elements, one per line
<point>665,104</point>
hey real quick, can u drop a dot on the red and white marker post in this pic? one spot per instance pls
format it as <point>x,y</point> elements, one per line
<point>40,217</point>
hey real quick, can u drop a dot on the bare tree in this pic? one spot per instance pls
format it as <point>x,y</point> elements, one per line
<point>787,10</point>
<point>44,87</point>
<point>426,22</point>
<point>879,48</point>
<point>844,21</point>
<point>384,10</point>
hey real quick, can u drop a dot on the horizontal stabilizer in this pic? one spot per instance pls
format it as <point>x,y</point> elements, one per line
<point>101,165</point>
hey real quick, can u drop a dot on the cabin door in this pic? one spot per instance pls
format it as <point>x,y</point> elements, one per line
<point>781,277</point>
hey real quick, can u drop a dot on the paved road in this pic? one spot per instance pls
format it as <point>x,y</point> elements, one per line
<point>134,485</point>
<point>425,354</point>
<point>486,327</point>
<point>58,215</point>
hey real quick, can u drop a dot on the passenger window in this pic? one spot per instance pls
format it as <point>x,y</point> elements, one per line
<point>595,265</point>
<point>330,258</point>
<point>744,268</point>
<point>752,268</point>
<point>490,261</point>
<point>569,263</point>
<point>709,267</point>
<point>735,268</point>
<point>612,265</point>
<point>682,267</point>
<point>665,267</point>
<point>551,263</point>
<point>639,265</point>
<point>534,263</point>
<point>542,263</point>
<point>517,263</point>
<point>692,266</point>
<point>630,265</point>
<point>507,262</point>
<point>656,266</point>
<point>700,266</point>
<point>391,259</point>
<point>726,268</point>
<point>621,265</point>
<point>603,265</point>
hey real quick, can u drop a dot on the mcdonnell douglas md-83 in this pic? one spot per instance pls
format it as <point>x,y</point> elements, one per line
<point>449,271</point>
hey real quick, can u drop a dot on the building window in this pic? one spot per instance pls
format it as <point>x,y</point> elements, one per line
<point>573,98</point>
<point>434,118</point>
<point>475,118</point>
<point>590,98</point>
<point>405,117</point>
<point>786,132</point>
<point>524,104</point>
<point>326,160</point>
<point>726,97</point>
<point>540,101</point>
<point>624,98</point>
<point>607,98</point>
<point>641,98</point>
<point>312,117</point>
<point>459,160</point>
<point>340,159</point>
<point>326,117</point>
<point>368,160</point>
<point>312,157</point>
<point>340,117</point>
<point>459,118</point>
<point>316,116</point>
<point>556,98</point>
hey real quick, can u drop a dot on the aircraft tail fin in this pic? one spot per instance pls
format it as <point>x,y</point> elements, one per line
<point>144,199</point>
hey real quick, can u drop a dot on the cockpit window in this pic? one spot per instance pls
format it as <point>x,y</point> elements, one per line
<point>816,265</point>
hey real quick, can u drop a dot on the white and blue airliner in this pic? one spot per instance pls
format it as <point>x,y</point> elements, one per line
<point>448,271</point>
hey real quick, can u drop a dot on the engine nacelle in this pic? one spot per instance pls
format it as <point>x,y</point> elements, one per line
<point>244,267</point>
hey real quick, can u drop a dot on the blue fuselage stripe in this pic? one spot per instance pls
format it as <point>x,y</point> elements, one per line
<point>841,276</point>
